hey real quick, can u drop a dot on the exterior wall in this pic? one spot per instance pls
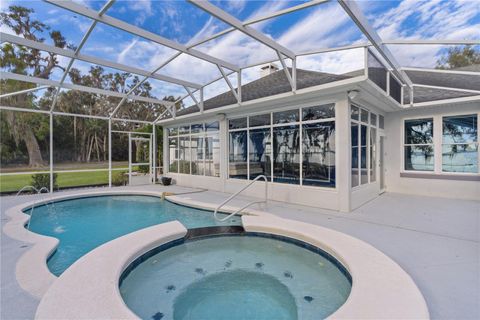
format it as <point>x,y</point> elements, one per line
<point>458,186</point>
<point>329,198</point>
<point>343,197</point>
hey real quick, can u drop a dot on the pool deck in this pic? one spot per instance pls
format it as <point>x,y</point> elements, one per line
<point>437,241</point>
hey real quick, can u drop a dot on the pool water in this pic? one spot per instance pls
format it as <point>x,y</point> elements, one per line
<point>236,277</point>
<point>83,224</point>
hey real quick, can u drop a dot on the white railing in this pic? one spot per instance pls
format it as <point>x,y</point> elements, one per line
<point>215,213</point>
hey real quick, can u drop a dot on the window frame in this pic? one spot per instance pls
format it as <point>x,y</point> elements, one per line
<point>298,123</point>
<point>204,134</point>
<point>359,123</point>
<point>438,143</point>
<point>475,143</point>
<point>434,126</point>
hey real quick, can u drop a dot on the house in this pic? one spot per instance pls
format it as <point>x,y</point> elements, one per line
<point>338,140</point>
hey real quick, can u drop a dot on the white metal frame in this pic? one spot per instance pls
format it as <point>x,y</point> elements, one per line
<point>191,88</point>
<point>369,126</point>
<point>150,160</point>
<point>271,126</point>
<point>437,144</point>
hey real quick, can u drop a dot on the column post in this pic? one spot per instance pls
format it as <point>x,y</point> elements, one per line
<point>343,154</point>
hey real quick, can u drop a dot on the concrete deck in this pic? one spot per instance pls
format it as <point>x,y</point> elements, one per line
<point>437,241</point>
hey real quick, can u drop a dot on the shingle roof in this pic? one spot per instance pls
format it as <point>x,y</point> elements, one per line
<point>277,83</point>
<point>272,84</point>
<point>429,94</point>
<point>473,67</point>
<point>450,80</point>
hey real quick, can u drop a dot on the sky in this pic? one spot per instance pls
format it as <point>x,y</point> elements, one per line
<point>320,26</point>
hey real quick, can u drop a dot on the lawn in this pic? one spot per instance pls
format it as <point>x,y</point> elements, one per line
<point>67,179</point>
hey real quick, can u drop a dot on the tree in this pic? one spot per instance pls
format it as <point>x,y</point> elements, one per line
<point>81,139</point>
<point>457,57</point>
<point>23,60</point>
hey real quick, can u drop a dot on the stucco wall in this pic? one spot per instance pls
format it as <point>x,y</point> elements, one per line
<point>448,186</point>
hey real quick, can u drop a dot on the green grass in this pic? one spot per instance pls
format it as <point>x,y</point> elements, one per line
<point>12,183</point>
<point>74,179</point>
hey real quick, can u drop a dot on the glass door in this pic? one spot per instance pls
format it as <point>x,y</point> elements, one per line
<point>381,163</point>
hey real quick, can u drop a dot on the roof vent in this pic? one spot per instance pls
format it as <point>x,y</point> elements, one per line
<point>267,69</point>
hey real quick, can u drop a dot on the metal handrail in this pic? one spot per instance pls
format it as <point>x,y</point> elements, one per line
<point>236,194</point>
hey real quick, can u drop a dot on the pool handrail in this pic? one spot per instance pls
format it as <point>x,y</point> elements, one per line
<point>215,213</point>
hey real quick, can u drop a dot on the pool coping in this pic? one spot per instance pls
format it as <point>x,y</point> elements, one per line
<point>36,280</point>
<point>373,273</point>
<point>380,287</point>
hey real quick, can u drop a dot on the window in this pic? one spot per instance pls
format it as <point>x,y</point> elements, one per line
<point>238,155</point>
<point>237,123</point>
<point>318,112</point>
<point>286,116</point>
<point>194,149</point>
<point>373,154</point>
<point>319,154</point>
<point>418,145</point>
<point>212,155</point>
<point>363,128</point>
<point>373,119</point>
<point>259,120</point>
<point>260,150</point>
<point>173,154</point>
<point>286,154</point>
<point>184,152</point>
<point>197,155</point>
<point>381,122</point>
<point>274,144</point>
<point>355,150</point>
<point>460,144</point>
<point>363,154</point>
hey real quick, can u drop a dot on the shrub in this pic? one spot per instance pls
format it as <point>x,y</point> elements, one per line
<point>144,169</point>
<point>119,178</point>
<point>42,180</point>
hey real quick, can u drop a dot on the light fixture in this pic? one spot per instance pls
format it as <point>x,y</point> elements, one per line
<point>221,116</point>
<point>352,94</point>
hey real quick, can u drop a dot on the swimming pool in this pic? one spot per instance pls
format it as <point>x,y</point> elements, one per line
<point>83,224</point>
<point>249,276</point>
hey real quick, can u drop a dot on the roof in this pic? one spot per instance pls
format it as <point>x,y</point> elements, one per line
<point>270,85</point>
<point>449,80</point>
<point>431,94</point>
<point>277,83</point>
<point>473,67</point>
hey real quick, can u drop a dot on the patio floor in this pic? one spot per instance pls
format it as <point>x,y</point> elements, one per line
<point>437,241</point>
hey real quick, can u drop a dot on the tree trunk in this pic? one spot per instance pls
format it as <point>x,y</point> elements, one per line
<point>34,154</point>
<point>22,132</point>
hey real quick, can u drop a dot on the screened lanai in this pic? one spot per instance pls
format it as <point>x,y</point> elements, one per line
<point>86,86</point>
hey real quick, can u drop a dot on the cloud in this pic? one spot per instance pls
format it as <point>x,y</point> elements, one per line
<point>412,19</point>
<point>235,5</point>
<point>326,26</point>
<point>143,9</point>
<point>143,54</point>
<point>4,4</point>
<point>208,29</point>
